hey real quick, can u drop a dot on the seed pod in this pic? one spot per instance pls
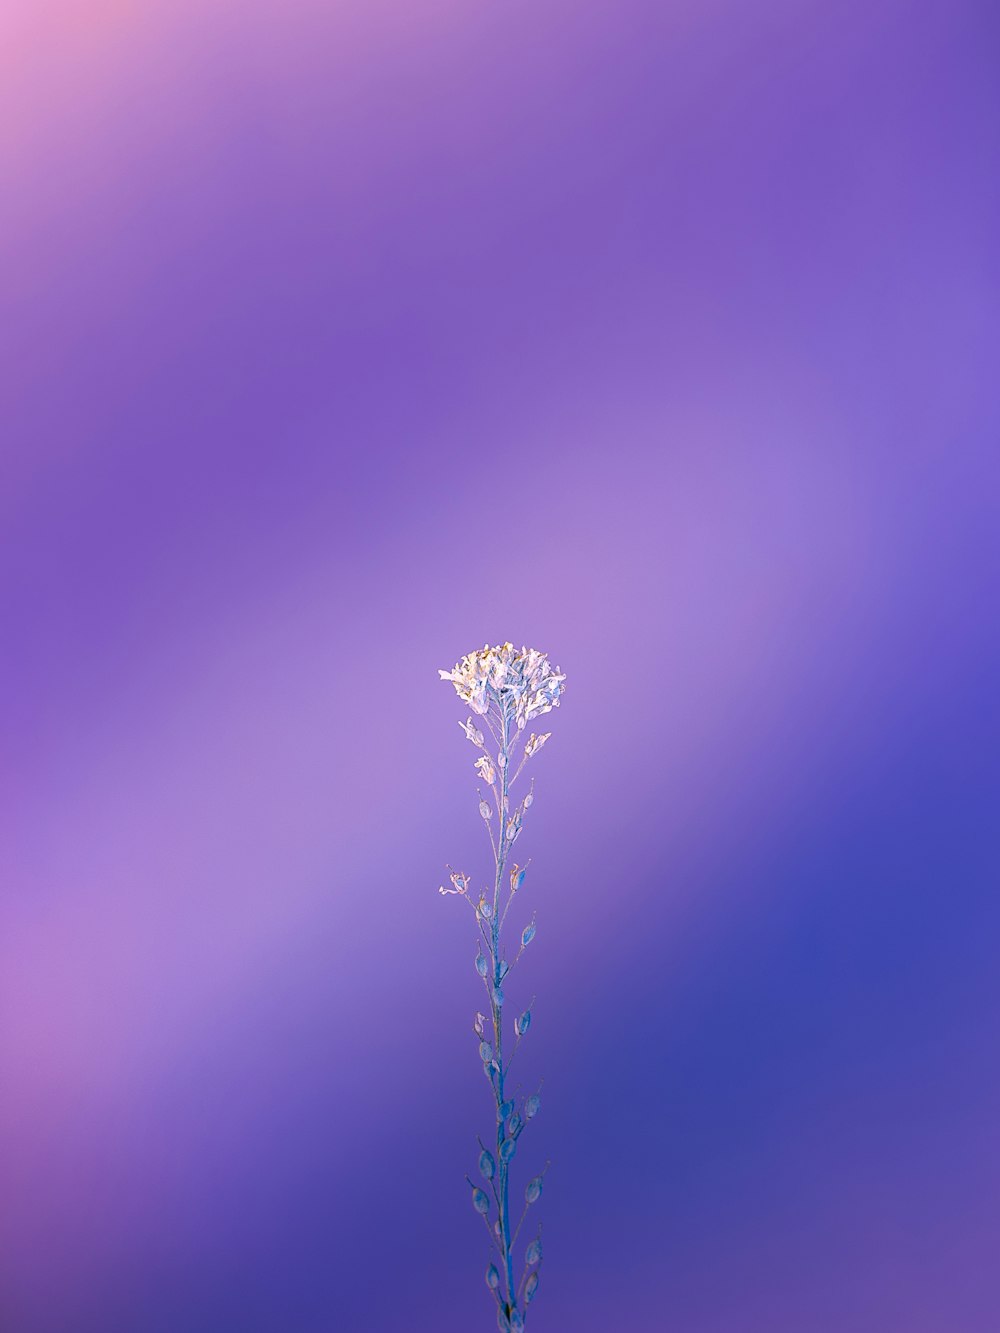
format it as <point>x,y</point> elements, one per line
<point>522,1024</point>
<point>514,1125</point>
<point>527,934</point>
<point>487,1166</point>
<point>530,1287</point>
<point>504,1110</point>
<point>507,1149</point>
<point>492,1277</point>
<point>485,1052</point>
<point>533,1253</point>
<point>480,1202</point>
<point>481,964</point>
<point>533,1191</point>
<point>531,1106</point>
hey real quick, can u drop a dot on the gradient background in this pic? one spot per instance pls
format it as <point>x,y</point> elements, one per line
<point>339,338</point>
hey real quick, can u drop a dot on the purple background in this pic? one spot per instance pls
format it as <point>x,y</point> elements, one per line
<point>339,338</point>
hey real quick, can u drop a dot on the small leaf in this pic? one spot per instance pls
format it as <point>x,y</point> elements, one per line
<point>492,1277</point>
<point>507,1149</point>
<point>487,1166</point>
<point>485,1052</point>
<point>527,935</point>
<point>480,1201</point>
<point>533,1191</point>
<point>530,1287</point>
<point>533,1253</point>
<point>532,1105</point>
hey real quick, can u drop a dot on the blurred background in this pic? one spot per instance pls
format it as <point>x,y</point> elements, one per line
<point>339,338</point>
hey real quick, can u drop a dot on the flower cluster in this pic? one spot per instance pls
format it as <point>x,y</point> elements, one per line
<point>519,683</point>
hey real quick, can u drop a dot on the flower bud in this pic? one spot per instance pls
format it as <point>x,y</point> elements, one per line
<point>533,1190</point>
<point>485,810</point>
<point>530,1287</point>
<point>522,1024</point>
<point>492,1277</point>
<point>507,1149</point>
<point>531,1106</point>
<point>504,1110</point>
<point>533,1253</point>
<point>481,964</point>
<point>487,1166</point>
<point>527,935</point>
<point>480,1201</point>
<point>485,1052</point>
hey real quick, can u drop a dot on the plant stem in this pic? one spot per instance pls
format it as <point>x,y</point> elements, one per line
<point>505,1237</point>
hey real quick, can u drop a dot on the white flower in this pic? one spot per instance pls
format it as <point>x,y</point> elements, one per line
<point>484,767</point>
<point>518,683</point>
<point>459,881</point>
<point>534,743</point>
<point>475,736</point>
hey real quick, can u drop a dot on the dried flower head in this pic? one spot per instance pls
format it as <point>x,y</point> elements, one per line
<point>518,684</point>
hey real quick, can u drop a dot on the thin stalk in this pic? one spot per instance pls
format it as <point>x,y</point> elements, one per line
<point>498,1086</point>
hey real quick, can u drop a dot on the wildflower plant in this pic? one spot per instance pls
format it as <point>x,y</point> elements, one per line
<point>505,688</point>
